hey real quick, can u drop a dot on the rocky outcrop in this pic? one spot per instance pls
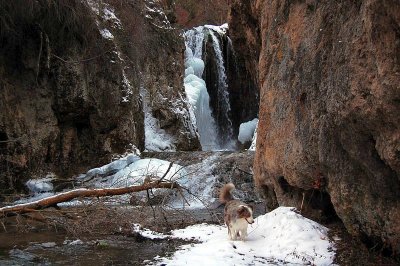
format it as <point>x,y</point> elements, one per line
<point>71,78</point>
<point>329,79</point>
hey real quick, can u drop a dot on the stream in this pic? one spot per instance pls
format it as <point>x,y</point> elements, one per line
<point>99,231</point>
<point>46,246</point>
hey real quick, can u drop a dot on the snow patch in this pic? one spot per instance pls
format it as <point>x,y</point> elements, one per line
<point>280,237</point>
<point>106,34</point>
<point>148,233</point>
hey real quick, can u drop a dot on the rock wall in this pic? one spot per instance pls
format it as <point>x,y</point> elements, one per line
<point>71,77</point>
<point>329,79</point>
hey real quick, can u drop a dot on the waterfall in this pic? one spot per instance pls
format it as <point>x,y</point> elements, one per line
<point>213,122</point>
<point>196,90</point>
<point>223,94</point>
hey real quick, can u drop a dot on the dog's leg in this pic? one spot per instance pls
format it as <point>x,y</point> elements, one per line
<point>230,232</point>
<point>233,234</point>
<point>243,234</point>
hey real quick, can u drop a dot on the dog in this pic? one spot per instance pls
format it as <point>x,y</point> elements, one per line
<point>237,215</point>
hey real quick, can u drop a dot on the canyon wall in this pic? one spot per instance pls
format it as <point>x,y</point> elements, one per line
<point>192,13</point>
<point>74,79</point>
<point>329,121</point>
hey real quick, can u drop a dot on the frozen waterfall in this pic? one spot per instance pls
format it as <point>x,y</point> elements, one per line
<point>213,136</point>
<point>196,90</point>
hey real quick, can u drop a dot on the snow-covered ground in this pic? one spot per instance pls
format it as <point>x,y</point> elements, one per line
<point>280,237</point>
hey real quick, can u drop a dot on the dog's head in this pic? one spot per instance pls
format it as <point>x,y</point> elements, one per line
<point>246,212</point>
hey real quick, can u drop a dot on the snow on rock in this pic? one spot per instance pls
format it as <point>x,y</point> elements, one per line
<point>219,29</point>
<point>133,173</point>
<point>148,233</point>
<point>254,140</point>
<point>109,15</point>
<point>136,172</point>
<point>155,13</point>
<point>113,167</point>
<point>280,237</point>
<point>246,130</point>
<point>106,34</point>
<point>156,138</point>
<point>73,242</point>
<point>127,87</point>
<point>40,185</point>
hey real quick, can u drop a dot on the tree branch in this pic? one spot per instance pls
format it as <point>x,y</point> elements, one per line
<point>77,193</point>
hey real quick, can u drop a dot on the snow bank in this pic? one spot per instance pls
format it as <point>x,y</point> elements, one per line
<point>246,130</point>
<point>280,237</point>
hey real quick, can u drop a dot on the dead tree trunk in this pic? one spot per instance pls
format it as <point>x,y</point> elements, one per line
<point>79,193</point>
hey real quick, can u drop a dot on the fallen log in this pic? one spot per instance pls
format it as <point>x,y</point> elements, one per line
<point>80,193</point>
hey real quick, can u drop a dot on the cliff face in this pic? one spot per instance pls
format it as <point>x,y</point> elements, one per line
<point>74,79</point>
<point>329,79</point>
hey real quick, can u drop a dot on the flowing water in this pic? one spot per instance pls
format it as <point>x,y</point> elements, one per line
<point>223,94</point>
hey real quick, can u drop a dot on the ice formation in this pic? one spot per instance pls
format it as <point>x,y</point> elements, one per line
<point>246,130</point>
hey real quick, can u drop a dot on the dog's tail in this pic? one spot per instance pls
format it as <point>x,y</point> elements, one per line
<point>225,193</point>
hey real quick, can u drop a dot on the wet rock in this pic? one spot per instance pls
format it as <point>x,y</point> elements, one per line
<point>328,74</point>
<point>23,256</point>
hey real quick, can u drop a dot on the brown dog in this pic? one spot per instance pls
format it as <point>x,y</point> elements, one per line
<point>237,215</point>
